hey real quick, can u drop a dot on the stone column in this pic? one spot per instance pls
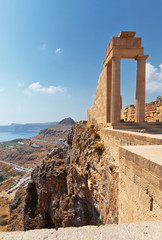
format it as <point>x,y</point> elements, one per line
<point>140,89</point>
<point>108,91</point>
<point>115,90</point>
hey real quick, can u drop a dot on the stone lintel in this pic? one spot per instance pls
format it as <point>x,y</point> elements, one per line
<point>122,52</point>
<point>122,42</point>
<point>127,34</point>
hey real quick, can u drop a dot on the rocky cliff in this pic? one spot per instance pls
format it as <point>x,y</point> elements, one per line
<point>76,185</point>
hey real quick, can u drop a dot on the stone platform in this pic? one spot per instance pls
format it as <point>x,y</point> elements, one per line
<point>131,231</point>
<point>145,127</point>
<point>114,138</point>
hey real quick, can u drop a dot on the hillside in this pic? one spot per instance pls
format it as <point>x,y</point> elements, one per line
<point>67,121</point>
<point>25,153</point>
<point>29,127</point>
<point>56,132</point>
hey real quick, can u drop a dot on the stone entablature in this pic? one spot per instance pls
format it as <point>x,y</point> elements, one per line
<point>107,105</point>
<point>126,45</point>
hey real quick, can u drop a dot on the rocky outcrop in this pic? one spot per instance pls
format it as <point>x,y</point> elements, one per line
<point>76,185</point>
<point>67,121</point>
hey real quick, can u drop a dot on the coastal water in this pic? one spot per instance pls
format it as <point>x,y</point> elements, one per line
<point>7,136</point>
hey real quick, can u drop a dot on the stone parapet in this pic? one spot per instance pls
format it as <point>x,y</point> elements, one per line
<point>131,231</point>
<point>140,183</point>
<point>113,139</point>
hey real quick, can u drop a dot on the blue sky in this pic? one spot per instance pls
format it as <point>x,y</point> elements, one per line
<point>52,52</point>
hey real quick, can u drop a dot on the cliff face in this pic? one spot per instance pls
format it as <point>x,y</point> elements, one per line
<point>75,185</point>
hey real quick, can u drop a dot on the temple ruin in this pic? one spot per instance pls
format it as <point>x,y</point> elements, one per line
<point>107,104</point>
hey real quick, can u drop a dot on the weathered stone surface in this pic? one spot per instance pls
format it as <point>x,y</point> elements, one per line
<point>113,139</point>
<point>131,231</point>
<point>153,112</point>
<point>140,179</point>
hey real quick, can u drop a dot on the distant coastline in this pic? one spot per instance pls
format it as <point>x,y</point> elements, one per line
<point>26,128</point>
<point>8,136</point>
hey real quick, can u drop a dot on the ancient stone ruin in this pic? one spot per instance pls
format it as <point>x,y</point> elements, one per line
<point>107,105</point>
<point>153,112</point>
<point>132,136</point>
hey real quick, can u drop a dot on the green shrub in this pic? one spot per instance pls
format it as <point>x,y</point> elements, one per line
<point>100,221</point>
<point>2,178</point>
<point>99,148</point>
<point>70,195</point>
<point>4,216</point>
<point>3,222</point>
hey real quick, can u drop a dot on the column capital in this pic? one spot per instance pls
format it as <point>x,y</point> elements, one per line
<point>141,57</point>
<point>116,58</point>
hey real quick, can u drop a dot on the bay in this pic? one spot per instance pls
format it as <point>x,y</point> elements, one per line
<point>7,136</point>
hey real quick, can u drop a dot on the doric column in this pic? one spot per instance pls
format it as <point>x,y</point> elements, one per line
<point>115,90</point>
<point>140,89</point>
<point>108,92</point>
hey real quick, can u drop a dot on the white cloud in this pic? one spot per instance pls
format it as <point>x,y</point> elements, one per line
<point>43,47</point>
<point>153,78</point>
<point>37,87</point>
<point>58,50</point>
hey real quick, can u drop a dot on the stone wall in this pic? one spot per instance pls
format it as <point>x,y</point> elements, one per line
<point>113,139</point>
<point>139,157</point>
<point>97,113</point>
<point>140,187</point>
<point>153,112</point>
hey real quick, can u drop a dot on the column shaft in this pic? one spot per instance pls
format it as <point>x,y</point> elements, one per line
<point>115,90</point>
<point>108,92</point>
<point>140,90</point>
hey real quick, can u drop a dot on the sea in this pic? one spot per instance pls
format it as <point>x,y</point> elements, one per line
<point>7,136</point>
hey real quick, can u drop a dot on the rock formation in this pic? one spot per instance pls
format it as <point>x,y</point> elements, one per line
<point>75,185</point>
<point>67,121</point>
